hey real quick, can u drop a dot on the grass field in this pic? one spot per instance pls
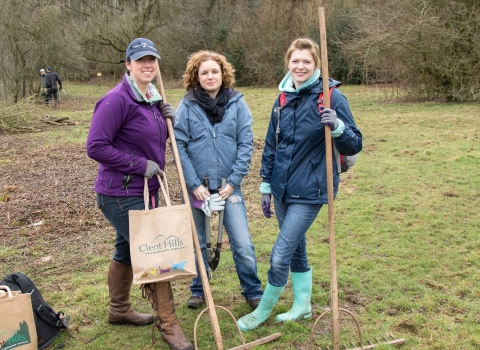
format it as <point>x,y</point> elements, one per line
<point>407,229</point>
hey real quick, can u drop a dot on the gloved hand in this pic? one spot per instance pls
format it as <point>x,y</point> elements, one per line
<point>60,88</point>
<point>266,203</point>
<point>167,110</point>
<point>152,169</point>
<point>329,117</point>
<point>216,203</point>
<point>206,207</point>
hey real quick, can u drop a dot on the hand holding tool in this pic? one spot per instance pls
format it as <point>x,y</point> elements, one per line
<point>329,117</point>
<point>206,209</point>
<point>167,110</point>
<point>214,255</point>
<point>216,203</point>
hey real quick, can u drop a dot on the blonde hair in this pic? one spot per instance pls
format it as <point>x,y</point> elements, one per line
<point>304,44</point>
<point>190,77</point>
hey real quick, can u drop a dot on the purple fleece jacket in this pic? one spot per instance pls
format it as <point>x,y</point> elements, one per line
<point>124,134</point>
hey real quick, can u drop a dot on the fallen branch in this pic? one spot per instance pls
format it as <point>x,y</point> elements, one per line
<point>95,337</point>
<point>61,121</point>
<point>20,116</point>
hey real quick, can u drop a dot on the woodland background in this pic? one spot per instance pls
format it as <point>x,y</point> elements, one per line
<point>429,49</point>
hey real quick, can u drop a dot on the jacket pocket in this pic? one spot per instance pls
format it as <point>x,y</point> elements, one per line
<point>315,181</point>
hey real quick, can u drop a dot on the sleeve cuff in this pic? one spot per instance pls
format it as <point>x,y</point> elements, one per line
<point>339,130</point>
<point>265,188</point>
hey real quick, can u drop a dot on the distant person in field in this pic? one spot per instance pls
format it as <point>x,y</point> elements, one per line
<point>51,81</point>
<point>215,140</point>
<point>294,172</point>
<point>43,84</point>
<point>127,137</point>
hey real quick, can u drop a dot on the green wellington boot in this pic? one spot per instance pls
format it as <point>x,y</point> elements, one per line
<point>263,310</point>
<point>302,295</point>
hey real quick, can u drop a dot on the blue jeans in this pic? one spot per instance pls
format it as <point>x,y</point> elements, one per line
<point>241,246</point>
<point>290,249</point>
<point>115,209</point>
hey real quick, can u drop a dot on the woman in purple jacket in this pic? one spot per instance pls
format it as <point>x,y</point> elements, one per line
<point>127,138</point>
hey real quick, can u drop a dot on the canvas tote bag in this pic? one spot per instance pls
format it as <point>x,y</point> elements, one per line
<point>17,325</point>
<point>161,241</point>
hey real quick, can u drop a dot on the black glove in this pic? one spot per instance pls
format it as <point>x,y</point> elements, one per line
<point>60,88</point>
<point>329,117</point>
<point>167,110</point>
<point>152,169</point>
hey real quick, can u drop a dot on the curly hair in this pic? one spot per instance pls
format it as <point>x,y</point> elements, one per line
<point>304,44</point>
<point>190,77</point>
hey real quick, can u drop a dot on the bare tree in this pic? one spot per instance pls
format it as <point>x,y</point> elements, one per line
<point>19,46</point>
<point>33,37</point>
<point>432,47</point>
<point>107,27</point>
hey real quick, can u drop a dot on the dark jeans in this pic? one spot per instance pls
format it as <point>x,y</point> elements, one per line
<point>116,210</point>
<point>52,92</point>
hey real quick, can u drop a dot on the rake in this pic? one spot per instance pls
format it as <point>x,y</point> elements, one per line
<point>334,309</point>
<point>211,307</point>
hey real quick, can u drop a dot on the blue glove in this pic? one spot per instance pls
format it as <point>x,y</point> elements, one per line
<point>266,203</point>
<point>329,117</point>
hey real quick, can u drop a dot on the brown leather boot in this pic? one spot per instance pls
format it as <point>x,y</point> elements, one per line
<point>120,279</point>
<point>161,297</point>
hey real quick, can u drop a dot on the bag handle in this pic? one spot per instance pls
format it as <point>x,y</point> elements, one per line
<point>41,308</point>
<point>9,292</point>
<point>164,189</point>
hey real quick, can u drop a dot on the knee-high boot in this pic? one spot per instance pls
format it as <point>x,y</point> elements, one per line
<point>120,279</point>
<point>263,310</point>
<point>302,295</point>
<point>161,297</point>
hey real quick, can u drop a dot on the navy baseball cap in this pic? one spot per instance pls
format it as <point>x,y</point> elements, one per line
<point>141,47</point>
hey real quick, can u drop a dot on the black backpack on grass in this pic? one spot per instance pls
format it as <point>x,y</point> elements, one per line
<point>48,323</point>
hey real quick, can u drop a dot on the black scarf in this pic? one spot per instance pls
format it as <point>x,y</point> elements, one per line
<point>214,108</point>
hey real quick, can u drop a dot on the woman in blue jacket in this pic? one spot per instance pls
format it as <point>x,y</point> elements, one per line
<point>127,138</point>
<point>294,172</point>
<point>214,135</point>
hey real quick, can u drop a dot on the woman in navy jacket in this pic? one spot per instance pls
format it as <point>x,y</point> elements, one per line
<point>294,171</point>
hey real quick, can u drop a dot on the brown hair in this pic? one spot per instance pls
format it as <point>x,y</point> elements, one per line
<point>190,77</point>
<point>304,44</point>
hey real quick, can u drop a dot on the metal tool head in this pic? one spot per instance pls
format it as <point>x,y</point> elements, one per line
<point>213,258</point>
